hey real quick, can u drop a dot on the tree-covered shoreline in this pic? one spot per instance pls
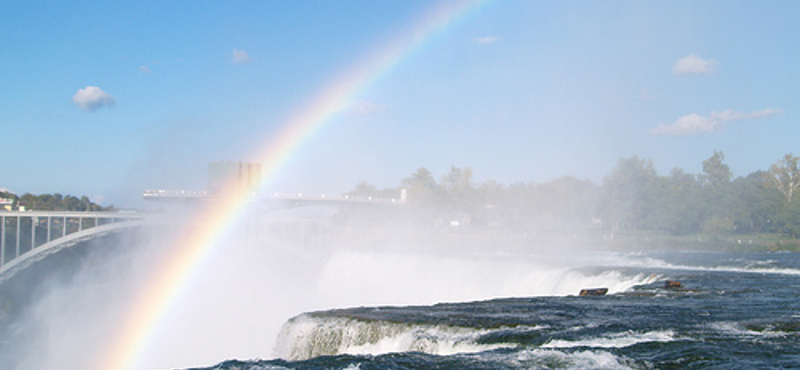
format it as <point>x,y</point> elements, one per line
<point>51,202</point>
<point>634,204</point>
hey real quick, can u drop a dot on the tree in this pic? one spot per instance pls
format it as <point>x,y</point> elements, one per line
<point>789,218</point>
<point>422,188</point>
<point>716,179</point>
<point>71,203</point>
<point>681,208</point>
<point>494,198</point>
<point>458,187</point>
<point>86,204</point>
<point>716,173</point>
<point>719,226</point>
<point>568,201</point>
<point>754,203</point>
<point>519,205</point>
<point>785,175</point>
<point>58,202</point>
<point>493,193</point>
<point>629,193</point>
<point>364,189</point>
<point>11,197</point>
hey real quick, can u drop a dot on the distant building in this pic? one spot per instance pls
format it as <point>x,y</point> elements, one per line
<point>7,204</point>
<point>234,175</point>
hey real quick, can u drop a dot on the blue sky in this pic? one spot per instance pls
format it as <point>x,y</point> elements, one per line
<point>109,98</point>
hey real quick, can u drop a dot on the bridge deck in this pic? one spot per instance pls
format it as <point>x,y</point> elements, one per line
<point>181,195</point>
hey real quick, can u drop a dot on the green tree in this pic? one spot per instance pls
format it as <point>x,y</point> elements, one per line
<point>364,189</point>
<point>86,204</point>
<point>567,201</point>
<point>493,193</point>
<point>459,189</point>
<point>716,179</point>
<point>58,202</point>
<point>788,218</point>
<point>785,175</point>
<point>495,204</point>
<point>719,226</point>
<point>519,205</point>
<point>716,173</point>
<point>10,196</point>
<point>71,203</point>
<point>629,193</point>
<point>754,203</point>
<point>681,210</point>
<point>421,187</point>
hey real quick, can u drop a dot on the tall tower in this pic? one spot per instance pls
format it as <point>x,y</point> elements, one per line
<point>236,176</point>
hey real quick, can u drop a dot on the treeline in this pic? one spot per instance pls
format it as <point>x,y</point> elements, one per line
<point>51,202</point>
<point>633,197</point>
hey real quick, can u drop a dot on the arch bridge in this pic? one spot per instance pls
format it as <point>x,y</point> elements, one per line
<point>27,237</point>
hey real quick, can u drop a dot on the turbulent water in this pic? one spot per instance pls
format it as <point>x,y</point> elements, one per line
<point>733,310</point>
<point>505,309</point>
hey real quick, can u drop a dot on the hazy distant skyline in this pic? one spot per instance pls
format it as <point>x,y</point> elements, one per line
<point>107,99</point>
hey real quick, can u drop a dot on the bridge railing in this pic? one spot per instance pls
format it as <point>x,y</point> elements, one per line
<point>185,195</point>
<point>323,198</point>
<point>23,232</point>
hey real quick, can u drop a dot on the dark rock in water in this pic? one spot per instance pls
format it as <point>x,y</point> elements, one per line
<point>672,284</point>
<point>593,292</point>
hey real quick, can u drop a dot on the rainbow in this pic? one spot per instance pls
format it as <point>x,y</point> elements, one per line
<point>161,291</point>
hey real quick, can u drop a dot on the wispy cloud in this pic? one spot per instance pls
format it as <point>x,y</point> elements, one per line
<point>92,98</point>
<point>486,40</point>
<point>146,68</point>
<point>363,107</point>
<point>693,64</point>
<point>694,124</point>
<point>241,57</point>
<point>648,96</point>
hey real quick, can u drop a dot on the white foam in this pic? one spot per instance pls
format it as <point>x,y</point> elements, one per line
<point>426,340</point>
<point>757,267</point>
<point>306,336</point>
<point>548,358</point>
<point>618,340</point>
<point>738,330</point>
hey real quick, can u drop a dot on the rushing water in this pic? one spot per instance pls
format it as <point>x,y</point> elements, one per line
<point>733,310</point>
<point>508,309</point>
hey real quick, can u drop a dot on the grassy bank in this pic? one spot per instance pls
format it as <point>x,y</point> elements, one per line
<point>662,241</point>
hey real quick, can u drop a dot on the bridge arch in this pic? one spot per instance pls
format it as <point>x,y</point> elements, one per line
<point>10,246</point>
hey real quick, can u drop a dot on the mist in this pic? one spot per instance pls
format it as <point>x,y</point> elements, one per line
<point>428,242</point>
<point>276,264</point>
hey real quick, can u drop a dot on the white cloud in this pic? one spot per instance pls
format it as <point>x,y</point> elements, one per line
<point>241,57</point>
<point>694,124</point>
<point>144,69</point>
<point>486,40</point>
<point>693,64</point>
<point>363,107</point>
<point>648,96</point>
<point>91,98</point>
